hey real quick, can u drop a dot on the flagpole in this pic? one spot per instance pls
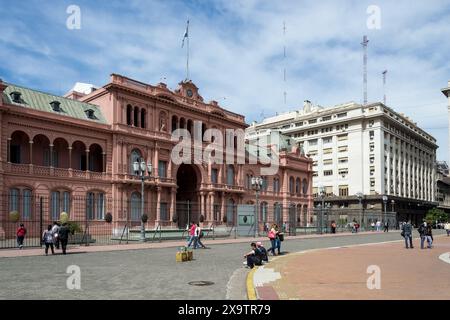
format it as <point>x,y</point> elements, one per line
<point>187,59</point>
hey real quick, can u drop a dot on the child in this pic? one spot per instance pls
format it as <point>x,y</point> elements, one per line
<point>21,232</point>
<point>47,237</point>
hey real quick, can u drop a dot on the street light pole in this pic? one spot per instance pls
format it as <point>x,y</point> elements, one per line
<point>256,184</point>
<point>322,197</point>
<point>360,195</point>
<point>385,199</point>
<point>140,168</point>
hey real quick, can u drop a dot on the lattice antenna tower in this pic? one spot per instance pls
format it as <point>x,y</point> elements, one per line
<point>364,45</point>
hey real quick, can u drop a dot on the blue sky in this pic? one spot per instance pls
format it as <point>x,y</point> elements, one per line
<point>237,51</point>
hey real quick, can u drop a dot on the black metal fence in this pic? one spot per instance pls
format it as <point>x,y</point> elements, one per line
<point>89,223</point>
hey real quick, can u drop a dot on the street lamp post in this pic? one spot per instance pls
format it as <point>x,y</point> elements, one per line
<point>141,168</point>
<point>322,198</point>
<point>256,185</point>
<point>385,199</point>
<point>360,195</point>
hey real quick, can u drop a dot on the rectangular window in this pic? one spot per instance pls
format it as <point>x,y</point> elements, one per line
<point>328,172</point>
<point>163,211</point>
<point>312,142</point>
<point>327,118</point>
<point>371,147</point>
<point>343,191</point>
<point>343,171</point>
<point>342,148</point>
<point>313,153</point>
<point>329,191</point>
<point>230,175</point>
<point>342,115</point>
<point>371,135</point>
<point>327,150</point>
<point>66,202</point>
<point>299,124</point>
<point>327,161</point>
<point>162,170</point>
<point>372,159</point>
<point>315,174</point>
<point>342,137</point>
<point>372,183</point>
<point>343,160</point>
<point>372,171</point>
<point>312,121</point>
<point>327,140</point>
<point>27,204</point>
<point>214,175</point>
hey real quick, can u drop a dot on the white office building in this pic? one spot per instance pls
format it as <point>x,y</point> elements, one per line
<point>369,149</point>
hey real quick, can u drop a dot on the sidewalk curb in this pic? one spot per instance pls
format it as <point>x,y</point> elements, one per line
<point>251,291</point>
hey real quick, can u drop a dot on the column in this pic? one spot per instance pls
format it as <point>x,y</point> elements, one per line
<point>87,160</point>
<point>211,213</point>
<point>222,207</point>
<point>104,162</point>
<point>173,195</point>
<point>51,155</point>
<point>70,157</point>
<point>155,160</point>
<point>208,207</point>
<point>158,202</point>
<point>8,150</point>
<point>202,202</point>
<point>31,151</point>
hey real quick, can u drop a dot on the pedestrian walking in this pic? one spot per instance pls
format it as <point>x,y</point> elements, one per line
<point>429,234</point>
<point>199,234</point>
<point>447,228</point>
<point>21,232</point>
<point>422,232</point>
<point>407,233</point>
<point>55,231</point>
<point>372,226</point>
<point>192,236</point>
<point>386,226</point>
<point>47,238</point>
<point>278,239</point>
<point>378,225</point>
<point>333,226</point>
<point>64,236</point>
<point>272,234</point>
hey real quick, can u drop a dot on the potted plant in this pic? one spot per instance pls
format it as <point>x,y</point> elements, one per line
<point>144,218</point>
<point>108,217</point>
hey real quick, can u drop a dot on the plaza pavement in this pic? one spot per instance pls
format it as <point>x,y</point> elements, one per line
<point>341,273</point>
<point>148,271</point>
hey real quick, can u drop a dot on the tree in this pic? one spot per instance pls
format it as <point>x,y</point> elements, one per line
<point>436,214</point>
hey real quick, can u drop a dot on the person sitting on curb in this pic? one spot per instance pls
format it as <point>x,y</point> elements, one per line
<point>253,257</point>
<point>263,251</point>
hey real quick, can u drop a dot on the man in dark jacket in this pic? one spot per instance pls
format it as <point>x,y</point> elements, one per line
<point>64,236</point>
<point>422,232</point>
<point>407,233</point>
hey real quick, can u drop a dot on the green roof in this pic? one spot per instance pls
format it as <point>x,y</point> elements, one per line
<point>38,100</point>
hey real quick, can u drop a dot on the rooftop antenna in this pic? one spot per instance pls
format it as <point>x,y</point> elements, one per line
<point>364,45</point>
<point>284,61</point>
<point>384,86</point>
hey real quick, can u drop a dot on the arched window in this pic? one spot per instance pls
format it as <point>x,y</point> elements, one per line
<point>135,206</point>
<point>174,123</point>
<point>95,206</point>
<point>276,184</point>
<point>143,116</point>
<point>263,212</point>
<point>277,213</point>
<point>129,114</point>
<point>59,202</point>
<point>230,211</point>
<point>305,187</point>
<point>291,185</point>
<point>230,174</point>
<point>136,117</point>
<point>135,156</point>
<point>297,186</point>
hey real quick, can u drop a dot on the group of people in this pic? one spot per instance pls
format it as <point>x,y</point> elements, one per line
<point>195,236</point>
<point>425,231</point>
<point>56,235</point>
<point>258,254</point>
<point>377,226</point>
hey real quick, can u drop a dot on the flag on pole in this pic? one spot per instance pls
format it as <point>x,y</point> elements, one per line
<point>186,34</point>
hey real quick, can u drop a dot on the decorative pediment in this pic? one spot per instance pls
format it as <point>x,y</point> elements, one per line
<point>189,90</point>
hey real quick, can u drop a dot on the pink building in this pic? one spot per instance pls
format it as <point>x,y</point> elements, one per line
<point>83,146</point>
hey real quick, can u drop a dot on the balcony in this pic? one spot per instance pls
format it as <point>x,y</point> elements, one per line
<point>227,187</point>
<point>34,170</point>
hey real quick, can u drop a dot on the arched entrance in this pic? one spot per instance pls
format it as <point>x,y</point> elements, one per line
<point>188,181</point>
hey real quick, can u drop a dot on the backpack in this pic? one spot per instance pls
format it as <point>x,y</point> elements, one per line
<point>48,237</point>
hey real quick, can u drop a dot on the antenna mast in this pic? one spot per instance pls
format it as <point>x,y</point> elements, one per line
<point>364,45</point>
<point>384,86</point>
<point>284,61</point>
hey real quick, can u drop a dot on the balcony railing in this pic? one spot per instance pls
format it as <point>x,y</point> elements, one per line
<point>34,170</point>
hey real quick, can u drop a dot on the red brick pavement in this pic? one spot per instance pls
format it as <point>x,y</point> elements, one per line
<point>341,273</point>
